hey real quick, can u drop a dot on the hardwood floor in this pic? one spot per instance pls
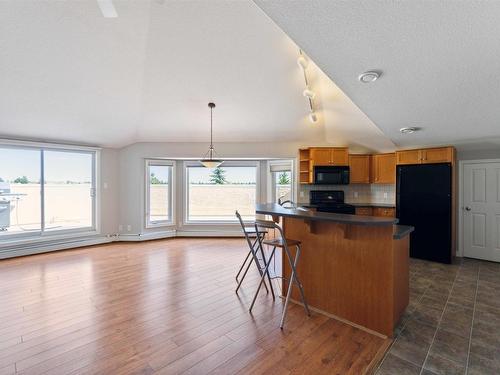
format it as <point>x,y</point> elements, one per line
<point>162,307</point>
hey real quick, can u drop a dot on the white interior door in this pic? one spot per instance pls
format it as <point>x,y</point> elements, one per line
<point>481,210</point>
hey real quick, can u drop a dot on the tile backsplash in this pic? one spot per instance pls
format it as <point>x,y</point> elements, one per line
<point>354,193</point>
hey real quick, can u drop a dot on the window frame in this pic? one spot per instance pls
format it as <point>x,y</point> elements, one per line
<point>171,201</point>
<point>41,148</point>
<point>229,163</point>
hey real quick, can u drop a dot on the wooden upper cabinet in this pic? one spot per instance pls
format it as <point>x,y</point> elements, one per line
<point>329,156</point>
<point>384,169</point>
<point>426,156</point>
<point>408,157</point>
<point>359,166</point>
<point>340,156</point>
<point>321,156</point>
<point>438,155</point>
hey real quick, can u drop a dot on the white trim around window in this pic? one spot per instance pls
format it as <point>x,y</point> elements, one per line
<point>185,190</point>
<point>148,223</point>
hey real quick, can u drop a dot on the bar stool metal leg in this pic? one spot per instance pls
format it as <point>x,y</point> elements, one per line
<point>261,246</point>
<point>262,279</point>
<point>245,261</point>
<point>253,252</point>
<point>293,278</point>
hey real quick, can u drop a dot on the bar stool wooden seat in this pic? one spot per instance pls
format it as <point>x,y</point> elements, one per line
<point>278,242</point>
<point>285,244</point>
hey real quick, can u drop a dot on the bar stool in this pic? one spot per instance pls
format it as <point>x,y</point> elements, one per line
<point>254,247</point>
<point>284,244</point>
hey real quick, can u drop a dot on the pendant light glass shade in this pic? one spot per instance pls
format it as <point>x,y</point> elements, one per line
<point>210,159</point>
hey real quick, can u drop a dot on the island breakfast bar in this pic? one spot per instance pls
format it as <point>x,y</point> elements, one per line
<point>355,268</point>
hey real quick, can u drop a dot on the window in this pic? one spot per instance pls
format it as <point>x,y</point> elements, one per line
<point>213,195</point>
<point>158,193</point>
<point>282,181</point>
<point>46,190</point>
<point>283,186</point>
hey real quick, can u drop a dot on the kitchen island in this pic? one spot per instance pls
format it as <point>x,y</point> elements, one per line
<point>354,268</point>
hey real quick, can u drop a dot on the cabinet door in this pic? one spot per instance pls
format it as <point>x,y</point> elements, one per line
<point>359,166</point>
<point>321,156</point>
<point>340,156</point>
<point>364,211</point>
<point>384,169</point>
<point>385,212</point>
<point>437,155</point>
<point>408,157</point>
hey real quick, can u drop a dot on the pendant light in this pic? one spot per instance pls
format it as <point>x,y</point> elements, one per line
<point>208,160</point>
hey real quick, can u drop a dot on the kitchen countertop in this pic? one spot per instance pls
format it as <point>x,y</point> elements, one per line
<point>400,231</point>
<point>303,213</point>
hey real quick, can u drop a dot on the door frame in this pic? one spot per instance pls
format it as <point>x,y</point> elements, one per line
<point>461,165</point>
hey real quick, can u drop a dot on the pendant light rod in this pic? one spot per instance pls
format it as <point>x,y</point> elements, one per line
<point>208,159</point>
<point>212,106</point>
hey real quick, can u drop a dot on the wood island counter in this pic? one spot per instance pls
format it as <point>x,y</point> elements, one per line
<point>355,268</point>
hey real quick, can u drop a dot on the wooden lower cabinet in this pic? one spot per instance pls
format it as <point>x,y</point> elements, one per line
<point>364,211</point>
<point>376,211</point>
<point>383,211</point>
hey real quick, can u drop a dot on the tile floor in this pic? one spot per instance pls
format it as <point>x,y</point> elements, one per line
<point>452,324</point>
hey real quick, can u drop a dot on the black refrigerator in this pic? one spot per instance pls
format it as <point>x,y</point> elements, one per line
<point>423,200</point>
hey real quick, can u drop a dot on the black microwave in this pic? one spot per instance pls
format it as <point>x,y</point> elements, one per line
<point>331,175</point>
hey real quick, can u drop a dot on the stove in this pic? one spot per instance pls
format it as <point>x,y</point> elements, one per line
<point>330,201</point>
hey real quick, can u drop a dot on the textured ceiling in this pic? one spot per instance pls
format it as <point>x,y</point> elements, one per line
<point>439,61</point>
<point>69,74</point>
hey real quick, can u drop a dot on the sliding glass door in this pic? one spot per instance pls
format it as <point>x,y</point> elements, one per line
<point>45,190</point>
<point>20,191</point>
<point>68,189</point>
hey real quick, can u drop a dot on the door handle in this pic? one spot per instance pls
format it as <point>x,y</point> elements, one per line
<point>467,208</point>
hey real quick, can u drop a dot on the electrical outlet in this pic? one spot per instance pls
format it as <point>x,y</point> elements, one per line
<point>355,194</point>
<point>301,194</point>
<point>120,228</point>
<point>105,185</point>
<point>385,195</point>
<point>129,228</point>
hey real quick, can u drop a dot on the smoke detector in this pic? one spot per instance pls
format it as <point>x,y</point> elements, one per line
<point>368,77</point>
<point>409,130</point>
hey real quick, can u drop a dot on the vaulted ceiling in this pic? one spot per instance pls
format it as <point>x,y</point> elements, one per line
<point>69,74</point>
<point>439,62</point>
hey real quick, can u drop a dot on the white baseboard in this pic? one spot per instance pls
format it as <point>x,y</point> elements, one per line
<point>211,233</point>
<point>146,236</point>
<point>69,243</point>
<point>34,248</point>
